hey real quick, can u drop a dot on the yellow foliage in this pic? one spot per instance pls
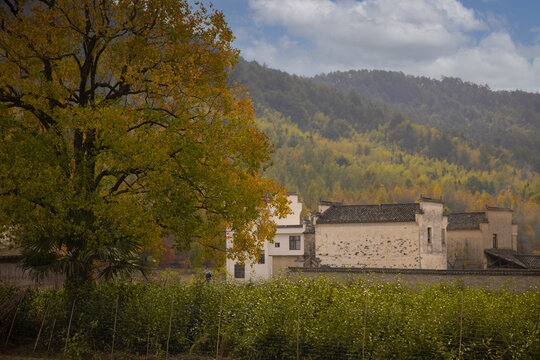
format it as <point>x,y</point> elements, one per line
<point>119,127</point>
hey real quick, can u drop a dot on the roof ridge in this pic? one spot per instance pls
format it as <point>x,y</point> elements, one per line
<point>370,213</point>
<point>378,204</point>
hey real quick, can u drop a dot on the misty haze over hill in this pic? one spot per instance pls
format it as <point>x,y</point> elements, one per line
<point>510,119</point>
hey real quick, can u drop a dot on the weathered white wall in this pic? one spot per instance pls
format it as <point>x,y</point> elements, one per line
<point>432,255</point>
<point>253,270</point>
<point>377,245</point>
<point>290,225</point>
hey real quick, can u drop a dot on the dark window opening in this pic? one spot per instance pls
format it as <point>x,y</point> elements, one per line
<point>261,258</point>
<point>443,237</point>
<point>294,242</point>
<point>277,244</point>
<point>239,271</point>
<point>494,241</point>
<point>429,235</point>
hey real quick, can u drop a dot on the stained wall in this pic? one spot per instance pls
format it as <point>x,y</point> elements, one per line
<point>382,245</point>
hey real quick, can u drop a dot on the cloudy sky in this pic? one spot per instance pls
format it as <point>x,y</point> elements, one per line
<point>494,42</point>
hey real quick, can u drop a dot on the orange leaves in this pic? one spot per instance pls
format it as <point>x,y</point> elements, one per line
<point>61,252</point>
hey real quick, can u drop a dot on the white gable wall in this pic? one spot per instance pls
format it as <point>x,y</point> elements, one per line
<point>372,245</point>
<point>295,217</point>
<point>386,244</point>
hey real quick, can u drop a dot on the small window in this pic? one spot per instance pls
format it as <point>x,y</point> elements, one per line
<point>429,235</point>
<point>494,241</point>
<point>277,244</point>
<point>239,271</point>
<point>294,242</point>
<point>261,258</point>
<point>443,237</point>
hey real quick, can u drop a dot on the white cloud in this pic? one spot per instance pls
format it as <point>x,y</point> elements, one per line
<point>422,37</point>
<point>412,30</point>
<point>495,61</point>
<point>268,53</point>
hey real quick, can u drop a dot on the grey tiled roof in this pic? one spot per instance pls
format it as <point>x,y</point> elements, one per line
<point>532,261</point>
<point>508,255</point>
<point>466,221</point>
<point>347,214</point>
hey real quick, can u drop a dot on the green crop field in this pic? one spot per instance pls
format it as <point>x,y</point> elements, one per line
<point>300,318</point>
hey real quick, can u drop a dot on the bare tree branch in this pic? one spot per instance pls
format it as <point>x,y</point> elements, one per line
<point>16,101</point>
<point>13,6</point>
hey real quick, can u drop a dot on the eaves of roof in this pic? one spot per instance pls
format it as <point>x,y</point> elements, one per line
<point>384,213</point>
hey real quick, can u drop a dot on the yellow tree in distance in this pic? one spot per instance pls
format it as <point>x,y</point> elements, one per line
<point>118,127</point>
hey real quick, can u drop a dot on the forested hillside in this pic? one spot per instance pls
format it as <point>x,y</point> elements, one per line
<point>319,108</point>
<point>510,119</point>
<point>339,146</point>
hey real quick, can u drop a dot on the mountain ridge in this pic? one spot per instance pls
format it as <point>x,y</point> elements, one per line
<point>342,146</point>
<point>510,119</point>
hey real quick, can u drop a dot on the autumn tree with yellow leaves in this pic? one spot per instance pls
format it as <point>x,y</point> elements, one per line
<point>118,127</point>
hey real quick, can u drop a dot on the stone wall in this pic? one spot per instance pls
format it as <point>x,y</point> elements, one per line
<point>280,264</point>
<point>516,280</point>
<point>310,258</point>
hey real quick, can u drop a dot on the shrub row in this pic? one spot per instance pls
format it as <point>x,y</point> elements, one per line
<point>314,318</point>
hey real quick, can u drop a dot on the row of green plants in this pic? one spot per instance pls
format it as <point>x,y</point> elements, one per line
<point>306,318</point>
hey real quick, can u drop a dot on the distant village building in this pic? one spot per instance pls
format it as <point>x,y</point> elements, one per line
<point>286,251</point>
<point>483,240</point>
<point>389,236</point>
<point>404,236</point>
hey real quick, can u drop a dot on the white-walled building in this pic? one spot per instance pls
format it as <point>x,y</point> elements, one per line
<point>287,249</point>
<point>403,236</point>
